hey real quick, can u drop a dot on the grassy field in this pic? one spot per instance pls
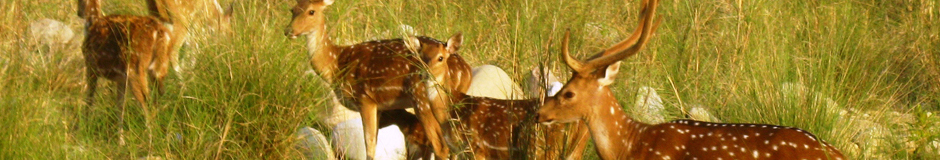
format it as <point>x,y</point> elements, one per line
<point>844,70</point>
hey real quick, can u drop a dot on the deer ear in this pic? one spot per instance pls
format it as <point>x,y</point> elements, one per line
<point>453,44</point>
<point>327,2</point>
<point>412,43</point>
<point>610,74</point>
<point>228,11</point>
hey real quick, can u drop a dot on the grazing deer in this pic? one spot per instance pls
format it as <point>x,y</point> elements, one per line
<point>383,75</point>
<point>502,129</point>
<point>496,129</point>
<point>587,97</point>
<point>173,17</point>
<point>125,49</point>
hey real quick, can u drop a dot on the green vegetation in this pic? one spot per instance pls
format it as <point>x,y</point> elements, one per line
<point>817,65</point>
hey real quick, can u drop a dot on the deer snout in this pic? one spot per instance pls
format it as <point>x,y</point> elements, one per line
<point>544,118</point>
<point>289,33</point>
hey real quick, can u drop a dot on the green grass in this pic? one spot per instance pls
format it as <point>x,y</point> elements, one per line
<point>242,95</point>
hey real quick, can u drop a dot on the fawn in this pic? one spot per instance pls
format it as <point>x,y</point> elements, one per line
<point>587,97</point>
<point>383,75</point>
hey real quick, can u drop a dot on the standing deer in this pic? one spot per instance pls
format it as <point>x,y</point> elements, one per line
<point>383,75</point>
<point>587,97</point>
<point>125,49</point>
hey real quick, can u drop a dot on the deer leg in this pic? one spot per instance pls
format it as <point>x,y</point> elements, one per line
<point>432,128</point>
<point>163,57</point>
<point>369,113</point>
<point>119,101</point>
<point>140,87</point>
<point>92,86</point>
<point>92,80</point>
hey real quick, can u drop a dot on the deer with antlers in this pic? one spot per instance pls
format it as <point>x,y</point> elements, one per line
<point>383,75</point>
<point>126,49</point>
<point>587,97</point>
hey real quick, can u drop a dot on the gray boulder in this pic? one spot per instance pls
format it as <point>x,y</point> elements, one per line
<point>313,144</point>
<point>649,106</point>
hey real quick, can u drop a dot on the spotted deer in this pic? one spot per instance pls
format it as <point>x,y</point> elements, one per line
<point>173,15</point>
<point>588,98</point>
<point>383,75</point>
<point>502,129</point>
<point>126,49</point>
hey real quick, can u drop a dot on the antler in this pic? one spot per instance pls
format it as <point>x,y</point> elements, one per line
<point>621,50</point>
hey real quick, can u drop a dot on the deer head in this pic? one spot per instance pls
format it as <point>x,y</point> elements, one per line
<point>435,54</point>
<point>307,17</point>
<point>588,86</point>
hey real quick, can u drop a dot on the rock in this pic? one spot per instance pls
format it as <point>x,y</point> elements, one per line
<point>491,81</point>
<point>313,144</point>
<point>934,147</point>
<point>348,141</point>
<point>870,138</point>
<point>537,83</point>
<point>699,113</point>
<point>338,113</point>
<point>649,107</point>
<point>50,32</point>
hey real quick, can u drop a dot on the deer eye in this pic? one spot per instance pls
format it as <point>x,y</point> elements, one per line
<point>440,59</point>
<point>568,95</point>
<point>311,12</point>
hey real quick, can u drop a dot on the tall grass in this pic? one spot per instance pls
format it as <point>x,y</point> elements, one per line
<point>241,96</point>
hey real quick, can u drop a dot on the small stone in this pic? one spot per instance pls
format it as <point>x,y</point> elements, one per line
<point>699,113</point>
<point>649,106</point>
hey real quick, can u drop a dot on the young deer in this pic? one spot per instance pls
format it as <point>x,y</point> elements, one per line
<point>501,129</point>
<point>382,75</point>
<point>123,48</point>
<point>498,128</point>
<point>587,97</point>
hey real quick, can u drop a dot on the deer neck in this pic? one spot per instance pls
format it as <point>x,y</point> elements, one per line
<point>92,9</point>
<point>324,54</point>
<point>614,132</point>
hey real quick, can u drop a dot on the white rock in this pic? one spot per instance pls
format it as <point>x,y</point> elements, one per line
<point>313,144</point>
<point>537,82</point>
<point>338,113</point>
<point>934,147</point>
<point>649,107</point>
<point>348,141</point>
<point>491,81</point>
<point>699,113</point>
<point>50,32</point>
